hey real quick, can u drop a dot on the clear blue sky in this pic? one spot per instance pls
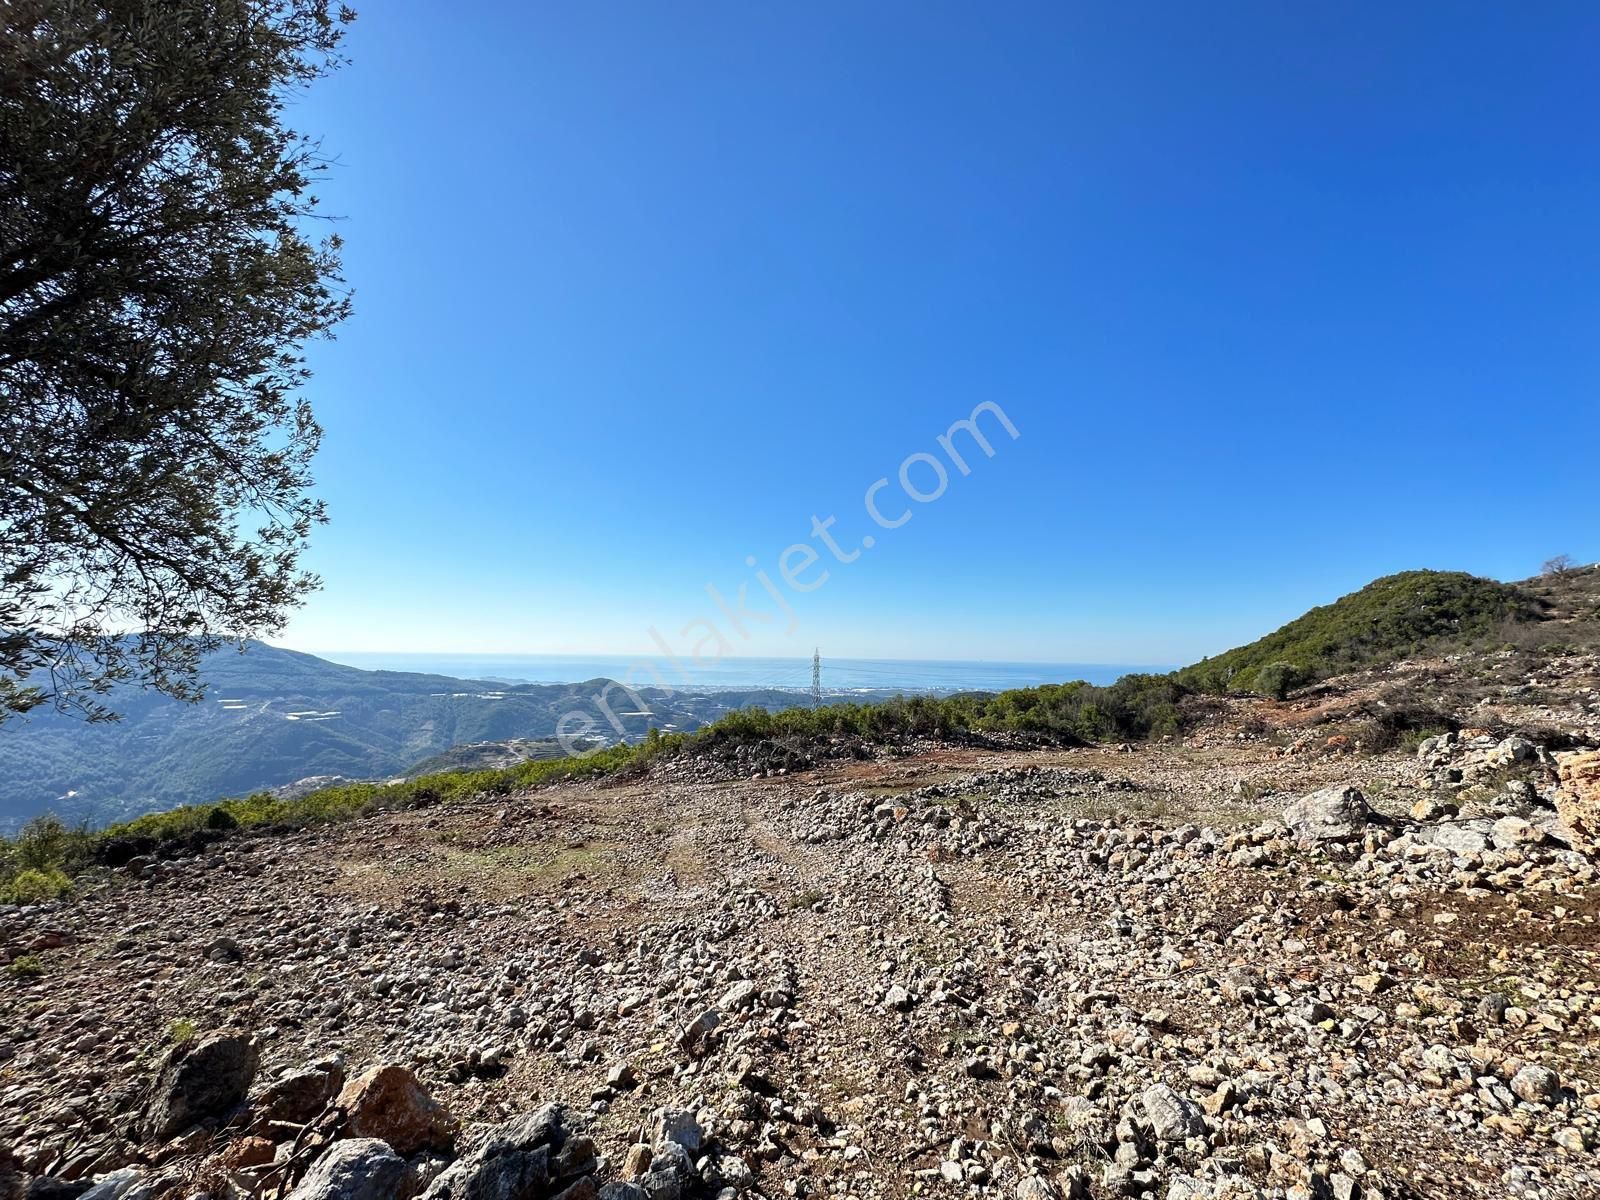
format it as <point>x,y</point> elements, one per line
<point>1278,297</point>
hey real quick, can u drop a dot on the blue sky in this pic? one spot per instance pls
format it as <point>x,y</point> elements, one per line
<point>1279,298</point>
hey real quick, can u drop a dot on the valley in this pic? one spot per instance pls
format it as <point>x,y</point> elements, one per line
<point>273,717</point>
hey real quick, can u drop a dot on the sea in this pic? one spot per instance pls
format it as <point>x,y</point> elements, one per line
<point>743,673</point>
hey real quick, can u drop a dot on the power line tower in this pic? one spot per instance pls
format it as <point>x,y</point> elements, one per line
<point>816,678</point>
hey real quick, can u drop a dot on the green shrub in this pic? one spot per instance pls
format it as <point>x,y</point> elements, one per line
<point>35,887</point>
<point>26,966</point>
<point>1404,714</point>
<point>181,1032</point>
<point>1410,739</point>
<point>46,843</point>
<point>1278,679</point>
<point>344,801</point>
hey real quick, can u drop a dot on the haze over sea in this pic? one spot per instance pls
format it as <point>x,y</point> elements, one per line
<point>838,674</point>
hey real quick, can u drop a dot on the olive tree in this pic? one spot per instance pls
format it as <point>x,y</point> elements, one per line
<point>160,276</point>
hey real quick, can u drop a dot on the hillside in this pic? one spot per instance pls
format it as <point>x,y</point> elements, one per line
<point>489,756</point>
<point>925,947</point>
<point>1031,975</point>
<point>274,716</point>
<point>1391,618</point>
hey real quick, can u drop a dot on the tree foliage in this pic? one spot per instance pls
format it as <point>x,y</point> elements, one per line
<point>1278,679</point>
<point>157,286</point>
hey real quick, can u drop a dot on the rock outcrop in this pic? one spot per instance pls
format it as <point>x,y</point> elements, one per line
<point>535,1157</point>
<point>1578,798</point>
<point>354,1169</point>
<point>198,1081</point>
<point>298,1095</point>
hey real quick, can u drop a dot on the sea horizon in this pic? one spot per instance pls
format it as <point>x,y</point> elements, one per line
<point>743,672</point>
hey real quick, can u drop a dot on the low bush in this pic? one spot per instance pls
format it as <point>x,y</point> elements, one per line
<point>34,886</point>
<point>179,826</point>
<point>181,1032</point>
<point>38,864</point>
<point>1278,679</point>
<point>1403,715</point>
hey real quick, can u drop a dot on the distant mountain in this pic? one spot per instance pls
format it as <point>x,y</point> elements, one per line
<point>274,716</point>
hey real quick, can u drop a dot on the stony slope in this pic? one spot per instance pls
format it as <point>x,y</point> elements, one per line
<point>953,973</point>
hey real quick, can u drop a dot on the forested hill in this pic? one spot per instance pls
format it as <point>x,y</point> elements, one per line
<point>1399,615</point>
<point>273,716</point>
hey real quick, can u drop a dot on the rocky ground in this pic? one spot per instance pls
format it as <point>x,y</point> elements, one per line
<point>1091,973</point>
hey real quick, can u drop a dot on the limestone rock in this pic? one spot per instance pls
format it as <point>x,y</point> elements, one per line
<point>299,1095</point>
<point>1334,814</point>
<point>740,996</point>
<point>1578,798</point>
<point>1172,1117</point>
<point>694,1036</point>
<point>1536,1085</point>
<point>671,1175</point>
<point>637,1161</point>
<point>679,1126</point>
<point>115,1185</point>
<point>1509,832</point>
<point>1461,840</point>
